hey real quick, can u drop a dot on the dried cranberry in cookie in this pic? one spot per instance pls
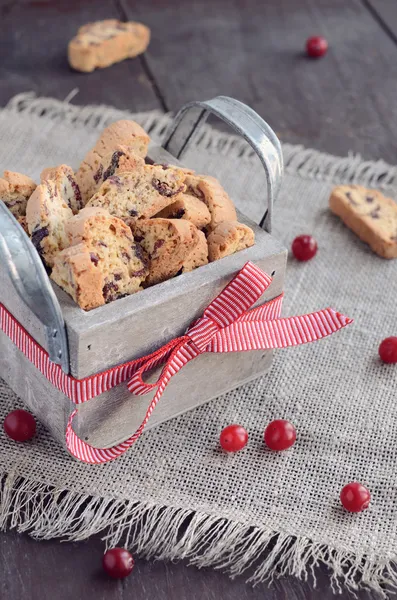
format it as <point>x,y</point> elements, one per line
<point>103,43</point>
<point>209,190</point>
<point>47,212</point>
<point>139,194</point>
<point>15,190</point>
<point>228,238</point>
<point>65,180</point>
<point>190,208</point>
<point>369,214</point>
<point>103,262</point>
<point>168,243</point>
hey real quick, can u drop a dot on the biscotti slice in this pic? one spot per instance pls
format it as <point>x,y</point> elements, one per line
<point>228,238</point>
<point>103,262</point>
<point>47,212</point>
<point>198,256</point>
<point>15,190</point>
<point>190,208</point>
<point>139,194</point>
<point>103,43</point>
<point>209,190</point>
<point>97,169</point>
<point>167,242</point>
<point>119,135</point>
<point>369,214</point>
<point>65,181</point>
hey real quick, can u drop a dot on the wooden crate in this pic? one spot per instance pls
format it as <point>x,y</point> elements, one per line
<point>130,328</point>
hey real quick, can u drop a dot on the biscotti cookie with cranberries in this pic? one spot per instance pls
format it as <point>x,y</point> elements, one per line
<point>103,43</point>
<point>141,193</point>
<point>198,255</point>
<point>15,190</point>
<point>121,159</point>
<point>167,242</point>
<point>103,263</point>
<point>66,183</point>
<point>209,190</point>
<point>120,135</point>
<point>190,208</point>
<point>228,238</point>
<point>369,214</point>
<point>47,212</point>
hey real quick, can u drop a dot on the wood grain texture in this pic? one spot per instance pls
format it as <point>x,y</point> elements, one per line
<point>253,50</point>
<point>33,50</point>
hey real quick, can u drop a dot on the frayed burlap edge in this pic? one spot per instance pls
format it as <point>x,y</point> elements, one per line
<point>172,533</point>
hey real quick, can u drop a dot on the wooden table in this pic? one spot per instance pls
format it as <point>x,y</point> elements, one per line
<point>249,49</point>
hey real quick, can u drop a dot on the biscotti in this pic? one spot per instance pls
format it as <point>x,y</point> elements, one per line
<point>198,256</point>
<point>103,262</point>
<point>65,181</point>
<point>209,190</point>
<point>47,212</point>
<point>369,214</point>
<point>167,242</point>
<point>103,43</point>
<point>190,208</point>
<point>122,136</point>
<point>120,160</point>
<point>228,238</point>
<point>15,190</point>
<point>141,193</point>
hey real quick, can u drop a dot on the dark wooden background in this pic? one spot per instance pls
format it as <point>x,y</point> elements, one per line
<point>249,49</point>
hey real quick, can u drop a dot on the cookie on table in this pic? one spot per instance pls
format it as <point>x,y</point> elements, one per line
<point>227,238</point>
<point>125,136</point>
<point>369,214</point>
<point>119,160</point>
<point>198,255</point>
<point>167,242</point>
<point>209,190</point>
<point>103,43</point>
<point>15,190</point>
<point>66,182</point>
<point>103,263</point>
<point>47,212</point>
<point>190,208</point>
<point>141,193</point>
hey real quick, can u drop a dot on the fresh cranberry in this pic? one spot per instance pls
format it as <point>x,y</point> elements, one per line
<point>233,438</point>
<point>355,497</point>
<point>20,425</point>
<point>316,46</point>
<point>388,350</point>
<point>280,435</point>
<point>118,563</point>
<point>304,247</point>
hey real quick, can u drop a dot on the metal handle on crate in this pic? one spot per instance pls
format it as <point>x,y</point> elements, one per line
<point>192,116</point>
<point>31,282</point>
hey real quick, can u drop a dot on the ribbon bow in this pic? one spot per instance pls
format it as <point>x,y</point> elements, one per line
<point>227,325</point>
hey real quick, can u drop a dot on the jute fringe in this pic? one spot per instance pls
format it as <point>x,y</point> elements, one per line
<point>169,533</point>
<point>166,532</point>
<point>307,163</point>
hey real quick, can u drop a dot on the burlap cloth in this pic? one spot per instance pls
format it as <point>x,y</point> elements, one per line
<point>175,495</point>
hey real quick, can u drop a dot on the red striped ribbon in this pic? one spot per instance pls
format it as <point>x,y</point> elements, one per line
<point>228,324</point>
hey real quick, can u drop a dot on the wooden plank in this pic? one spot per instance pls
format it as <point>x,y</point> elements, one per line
<point>34,40</point>
<point>385,13</point>
<point>254,51</point>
